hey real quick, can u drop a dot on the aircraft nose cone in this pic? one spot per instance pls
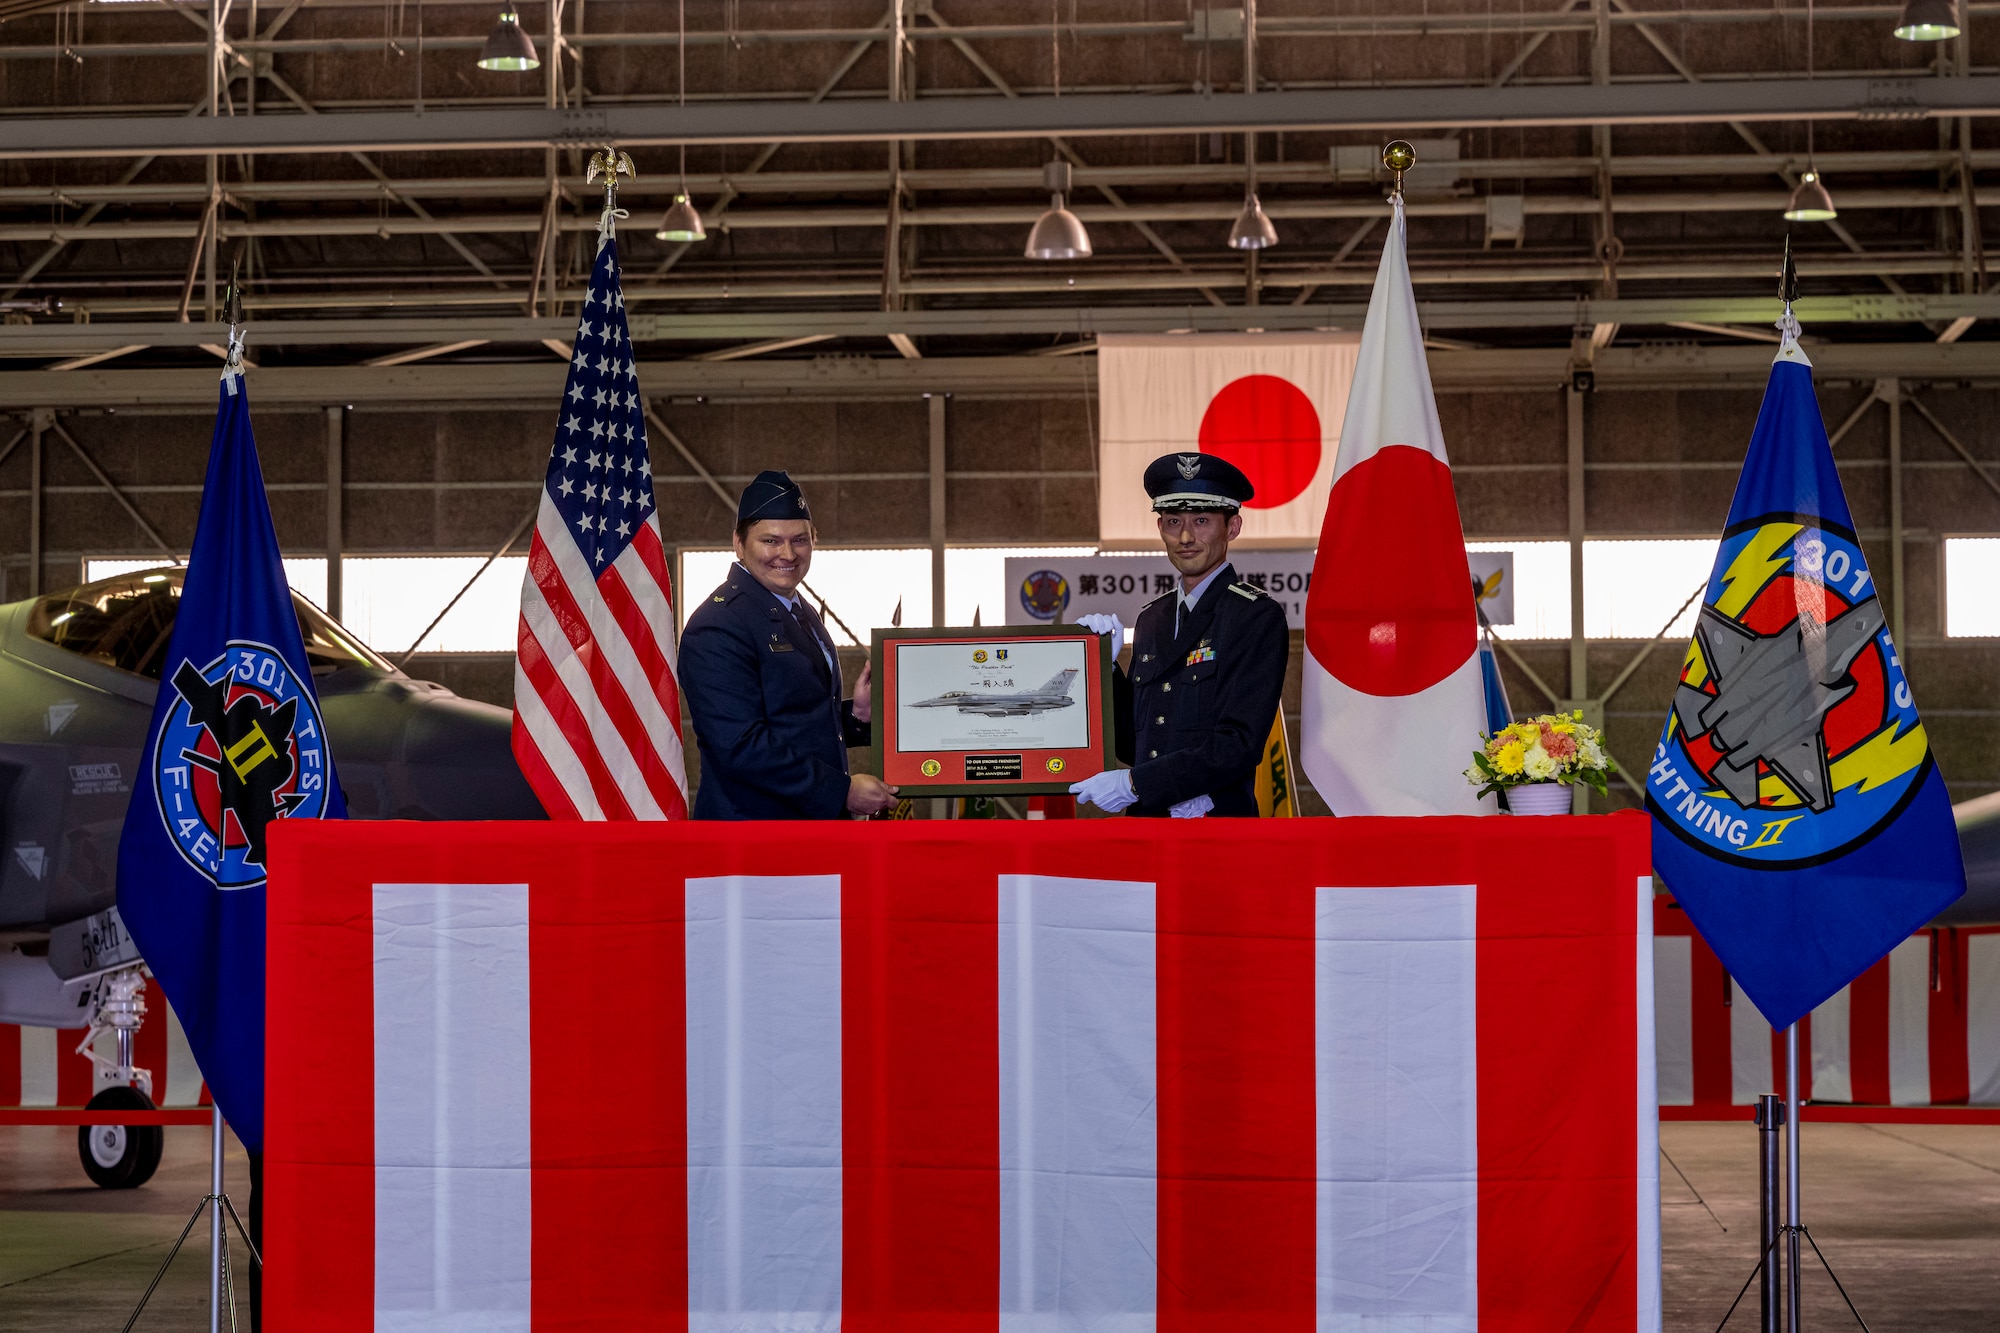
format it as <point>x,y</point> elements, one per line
<point>459,763</point>
<point>409,749</point>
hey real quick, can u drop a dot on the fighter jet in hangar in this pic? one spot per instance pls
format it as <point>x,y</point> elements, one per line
<point>1055,694</point>
<point>78,673</point>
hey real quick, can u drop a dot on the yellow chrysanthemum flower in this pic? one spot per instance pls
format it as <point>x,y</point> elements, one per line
<point>1511,757</point>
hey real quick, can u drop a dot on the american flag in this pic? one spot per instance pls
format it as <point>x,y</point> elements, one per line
<point>597,710</point>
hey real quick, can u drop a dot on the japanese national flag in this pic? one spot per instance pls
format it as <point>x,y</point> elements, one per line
<point>1394,700</point>
<point>1270,403</point>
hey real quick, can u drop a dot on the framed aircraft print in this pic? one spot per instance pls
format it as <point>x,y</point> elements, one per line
<point>1021,708</point>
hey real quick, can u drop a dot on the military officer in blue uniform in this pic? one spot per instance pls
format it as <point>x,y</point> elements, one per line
<point>1208,660</point>
<point>763,683</point>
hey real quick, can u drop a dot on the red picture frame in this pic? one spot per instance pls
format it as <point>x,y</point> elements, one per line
<point>1030,764</point>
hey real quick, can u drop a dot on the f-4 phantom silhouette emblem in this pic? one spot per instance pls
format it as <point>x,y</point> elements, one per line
<point>1773,692</point>
<point>240,749</point>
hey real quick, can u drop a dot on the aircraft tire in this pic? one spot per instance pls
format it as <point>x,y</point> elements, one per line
<point>120,1157</point>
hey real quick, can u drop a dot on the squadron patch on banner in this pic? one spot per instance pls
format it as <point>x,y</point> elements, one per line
<point>242,747</point>
<point>1044,594</point>
<point>1794,736</point>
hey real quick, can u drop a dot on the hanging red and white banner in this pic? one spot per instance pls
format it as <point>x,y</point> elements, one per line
<point>1271,403</point>
<point>949,1077</point>
<point>1919,1028</point>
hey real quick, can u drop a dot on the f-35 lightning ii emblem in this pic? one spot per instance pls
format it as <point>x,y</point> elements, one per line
<point>1794,736</point>
<point>242,747</point>
<point>1773,690</point>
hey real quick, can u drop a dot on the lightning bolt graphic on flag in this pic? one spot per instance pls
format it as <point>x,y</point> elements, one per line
<point>1394,698</point>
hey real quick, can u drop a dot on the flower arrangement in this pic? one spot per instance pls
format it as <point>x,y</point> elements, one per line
<point>1555,747</point>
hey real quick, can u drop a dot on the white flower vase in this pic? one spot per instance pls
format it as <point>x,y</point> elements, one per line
<point>1539,798</point>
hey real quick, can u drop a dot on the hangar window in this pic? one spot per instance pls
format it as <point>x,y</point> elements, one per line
<point>975,578</point>
<point>388,600</point>
<point>306,574</point>
<point>1630,588</point>
<point>1971,587</point>
<point>861,587</point>
<point>126,620</point>
<point>864,587</point>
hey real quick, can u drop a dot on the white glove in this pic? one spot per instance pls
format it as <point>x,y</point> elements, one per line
<point>1111,790</point>
<point>1194,807</point>
<point>1099,623</point>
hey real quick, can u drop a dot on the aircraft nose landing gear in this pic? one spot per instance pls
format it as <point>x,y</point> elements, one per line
<point>120,1157</point>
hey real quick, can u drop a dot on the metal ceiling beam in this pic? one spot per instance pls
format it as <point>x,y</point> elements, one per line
<point>980,215</point>
<point>1354,109</point>
<point>540,386</point>
<point>1751,270</point>
<point>71,340</point>
<point>1310,172</point>
<point>1382,24</point>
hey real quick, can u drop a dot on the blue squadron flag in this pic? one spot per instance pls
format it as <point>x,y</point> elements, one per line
<point>235,746</point>
<point>1798,812</point>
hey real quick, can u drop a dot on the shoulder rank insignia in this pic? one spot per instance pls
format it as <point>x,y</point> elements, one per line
<point>1200,655</point>
<point>1245,590</point>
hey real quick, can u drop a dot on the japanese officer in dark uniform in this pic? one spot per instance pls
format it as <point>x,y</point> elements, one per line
<point>763,683</point>
<point>1208,659</point>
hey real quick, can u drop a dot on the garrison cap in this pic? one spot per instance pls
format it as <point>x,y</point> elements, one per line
<point>772,495</point>
<point>1180,482</point>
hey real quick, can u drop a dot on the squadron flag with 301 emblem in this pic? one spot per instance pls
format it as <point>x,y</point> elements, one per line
<point>236,745</point>
<point>597,710</point>
<point>1799,815</point>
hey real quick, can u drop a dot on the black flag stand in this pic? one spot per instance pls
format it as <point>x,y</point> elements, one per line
<point>1771,1112</point>
<point>221,1281</point>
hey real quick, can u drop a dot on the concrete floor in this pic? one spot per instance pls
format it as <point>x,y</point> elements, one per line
<point>75,1257</point>
<point>1908,1214</point>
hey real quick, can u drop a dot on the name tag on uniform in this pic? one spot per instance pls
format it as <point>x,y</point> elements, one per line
<point>777,645</point>
<point>1200,655</point>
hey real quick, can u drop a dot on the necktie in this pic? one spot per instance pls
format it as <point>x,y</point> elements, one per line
<point>810,623</point>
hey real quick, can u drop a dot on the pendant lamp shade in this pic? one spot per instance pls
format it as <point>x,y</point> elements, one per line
<point>682,222</point>
<point>1810,201</point>
<point>507,47</point>
<point>1928,21</point>
<point>1058,233</point>
<point>1252,229</point>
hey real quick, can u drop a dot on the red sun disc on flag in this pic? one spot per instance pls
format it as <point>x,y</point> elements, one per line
<point>1267,427</point>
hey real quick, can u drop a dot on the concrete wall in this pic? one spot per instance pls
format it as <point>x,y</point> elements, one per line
<point>1659,463</point>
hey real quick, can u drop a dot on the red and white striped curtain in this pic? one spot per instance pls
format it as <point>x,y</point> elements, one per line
<point>947,1076</point>
<point>1920,1028</point>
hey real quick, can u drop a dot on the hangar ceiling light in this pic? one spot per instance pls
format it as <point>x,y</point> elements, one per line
<point>1058,233</point>
<point>682,223</point>
<point>1928,21</point>
<point>1252,229</point>
<point>507,47</point>
<point>1810,202</point>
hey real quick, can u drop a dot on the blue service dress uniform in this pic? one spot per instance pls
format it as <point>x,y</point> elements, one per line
<point>1197,705</point>
<point>771,726</point>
